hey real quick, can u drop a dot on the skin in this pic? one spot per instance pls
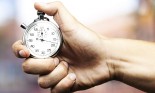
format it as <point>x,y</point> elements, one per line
<point>87,59</point>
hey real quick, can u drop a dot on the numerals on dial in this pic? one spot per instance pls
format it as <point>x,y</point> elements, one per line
<point>30,40</point>
<point>31,34</point>
<point>43,40</point>
<point>48,50</point>
<point>36,50</point>
<point>32,46</point>
<point>52,45</point>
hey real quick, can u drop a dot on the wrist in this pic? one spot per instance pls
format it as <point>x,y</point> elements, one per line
<point>106,56</point>
<point>106,42</point>
<point>131,62</point>
<point>115,57</point>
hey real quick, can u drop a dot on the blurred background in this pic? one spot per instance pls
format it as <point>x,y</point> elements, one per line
<point>113,18</point>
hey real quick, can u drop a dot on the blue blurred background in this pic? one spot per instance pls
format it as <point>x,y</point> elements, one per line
<point>113,18</point>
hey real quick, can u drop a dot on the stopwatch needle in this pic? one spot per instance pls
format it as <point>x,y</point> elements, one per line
<point>48,41</point>
<point>42,40</point>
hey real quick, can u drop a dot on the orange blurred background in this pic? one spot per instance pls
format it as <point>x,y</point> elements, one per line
<point>118,18</point>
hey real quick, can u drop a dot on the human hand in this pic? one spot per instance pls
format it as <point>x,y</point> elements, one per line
<point>82,56</point>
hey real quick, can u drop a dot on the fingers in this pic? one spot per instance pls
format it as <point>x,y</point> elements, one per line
<point>54,77</point>
<point>40,66</point>
<point>20,50</point>
<point>59,12</point>
<point>52,74</point>
<point>65,85</point>
<point>49,8</point>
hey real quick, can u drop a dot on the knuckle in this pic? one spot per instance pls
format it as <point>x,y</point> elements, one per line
<point>26,67</point>
<point>13,46</point>
<point>43,83</point>
<point>66,85</point>
<point>63,70</point>
<point>58,4</point>
<point>50,67</point>
<point>16,47</point>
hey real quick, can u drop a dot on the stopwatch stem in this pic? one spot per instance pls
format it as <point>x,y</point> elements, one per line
<point>41,15</point>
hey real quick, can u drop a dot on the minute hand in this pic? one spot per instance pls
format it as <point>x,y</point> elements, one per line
<point>49,41</point>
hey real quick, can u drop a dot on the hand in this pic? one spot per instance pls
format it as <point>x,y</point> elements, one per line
<point>82,55</point>
<point>87,59</point>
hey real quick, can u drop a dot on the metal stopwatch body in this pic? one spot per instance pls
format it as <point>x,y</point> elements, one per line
<point>42,37</point>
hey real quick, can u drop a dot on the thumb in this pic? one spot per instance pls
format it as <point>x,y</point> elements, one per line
<point>60,14</point>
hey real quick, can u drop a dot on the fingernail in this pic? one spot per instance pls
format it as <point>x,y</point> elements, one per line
<point>66,64</point>
<point>22,53</point>
<point>72,76</point>
<point>56,61</point>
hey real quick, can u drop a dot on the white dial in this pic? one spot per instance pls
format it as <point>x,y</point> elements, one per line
<point>43,39</point>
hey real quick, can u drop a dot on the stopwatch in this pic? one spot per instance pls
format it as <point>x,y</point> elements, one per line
<point>42,37</point>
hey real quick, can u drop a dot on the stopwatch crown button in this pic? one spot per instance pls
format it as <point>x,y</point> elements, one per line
<point>40,13</point>
<point>23,26</point>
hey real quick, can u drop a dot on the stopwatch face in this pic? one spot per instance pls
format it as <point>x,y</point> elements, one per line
<point>43,39</point>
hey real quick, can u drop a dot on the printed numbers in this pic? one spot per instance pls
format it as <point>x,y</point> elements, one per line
<point>35,29</point>
<point>30,40</point>
<point>31,34</point>
<point>37,50</point>
<point>32,46</point>
<point>54,39</point>
<point>53,33</point>
<point>52,45</point>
